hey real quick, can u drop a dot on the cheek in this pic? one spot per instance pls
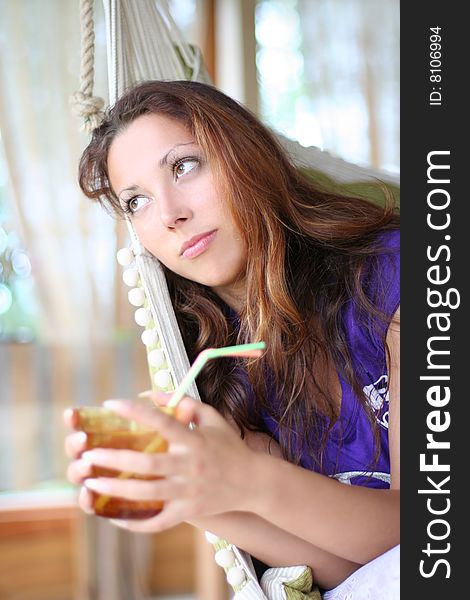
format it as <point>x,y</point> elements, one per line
<point>145,236</point>
<point>242,259</point>
<point>150,231</point>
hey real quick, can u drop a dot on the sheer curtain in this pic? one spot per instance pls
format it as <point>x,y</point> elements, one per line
<point>329,75</point>
<point>71,243</point>
<point>88,348</point>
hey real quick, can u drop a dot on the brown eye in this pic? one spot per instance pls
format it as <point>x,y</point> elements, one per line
<point>185,166</point>
<point>135,203</point>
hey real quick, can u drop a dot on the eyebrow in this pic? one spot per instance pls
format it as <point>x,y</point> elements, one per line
<point>164,160</point>
<point>161,163</point>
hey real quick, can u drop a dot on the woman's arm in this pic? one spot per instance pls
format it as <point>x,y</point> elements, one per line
<point>353,522</point>
<point>269,544</point>
<point>273,546</point>
<point>276,547</point>
<point>210,471</point>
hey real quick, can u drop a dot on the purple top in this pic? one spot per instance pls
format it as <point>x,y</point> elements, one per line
<point>350,450</point>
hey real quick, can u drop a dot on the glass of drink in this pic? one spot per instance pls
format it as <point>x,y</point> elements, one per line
<point>106,429</point>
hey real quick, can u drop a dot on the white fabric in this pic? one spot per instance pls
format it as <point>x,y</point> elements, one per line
<point>273,580</point>
<point>145,43</point>
<point>335,167</point>
<point>377,580</point>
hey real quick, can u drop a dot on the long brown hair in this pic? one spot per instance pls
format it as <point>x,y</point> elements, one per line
<point>307,249</point>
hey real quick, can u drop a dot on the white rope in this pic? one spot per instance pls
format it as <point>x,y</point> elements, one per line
<point>153,282</point>
<point>82,102</point>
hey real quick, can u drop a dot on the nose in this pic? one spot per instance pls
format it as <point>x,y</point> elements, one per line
<point>174,209</point>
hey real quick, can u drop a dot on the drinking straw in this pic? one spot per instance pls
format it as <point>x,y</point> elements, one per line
<point>246,350</point>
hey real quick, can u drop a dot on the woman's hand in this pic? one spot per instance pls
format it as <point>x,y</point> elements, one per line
<point>207,470</point>
<point>79,469</point>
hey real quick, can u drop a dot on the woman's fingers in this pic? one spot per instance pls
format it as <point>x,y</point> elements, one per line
<point>133,489</point>
<point>140,463</point>
<point>159,398</point>
<point>69,417</point>
<point>75,444</point>
<point>171,515</point>
<point>185,410</point>
<point>170,427</point>
<point>78,471</point>
<point>85,501</point>
<point>195,475</point>
<point>183,414</point>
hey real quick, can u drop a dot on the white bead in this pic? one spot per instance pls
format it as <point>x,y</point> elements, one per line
<point>130,277</point>
<point>224,558</point>
<point>211,537</point>
<point>125,256</point>
<point>149,337</point>
<point>136,296</point>
<point>162,379</point>
<point>236,576</point>
<point>142,316</point>
<point>156,358</point>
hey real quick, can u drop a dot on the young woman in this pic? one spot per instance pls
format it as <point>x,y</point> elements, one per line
<point>295,457</point>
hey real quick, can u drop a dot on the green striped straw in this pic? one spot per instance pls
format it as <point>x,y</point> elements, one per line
<point>248,350</point>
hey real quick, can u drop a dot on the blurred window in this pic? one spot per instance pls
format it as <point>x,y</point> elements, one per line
<point>329,75</point>
<point>18,308</point>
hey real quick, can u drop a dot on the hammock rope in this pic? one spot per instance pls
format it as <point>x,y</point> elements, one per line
<point>82,102</point>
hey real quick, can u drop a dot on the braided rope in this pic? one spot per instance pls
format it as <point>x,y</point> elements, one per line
<point>83,103</point>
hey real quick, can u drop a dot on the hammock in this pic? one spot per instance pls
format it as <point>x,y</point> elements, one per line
<point>143,42</point>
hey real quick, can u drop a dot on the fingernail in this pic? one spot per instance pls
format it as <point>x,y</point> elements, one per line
<point>146,394</point>
<point>96,486</point>
<point>121,523</point>
<point>81,437</point>
<point>88,510</point>
<point>85,501</point>
<point>114,404</point>
<point>88,456</point>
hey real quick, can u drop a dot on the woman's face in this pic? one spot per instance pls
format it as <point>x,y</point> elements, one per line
<point>163,180</point>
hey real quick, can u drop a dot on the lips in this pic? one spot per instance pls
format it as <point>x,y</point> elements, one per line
<point>197,244</point>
